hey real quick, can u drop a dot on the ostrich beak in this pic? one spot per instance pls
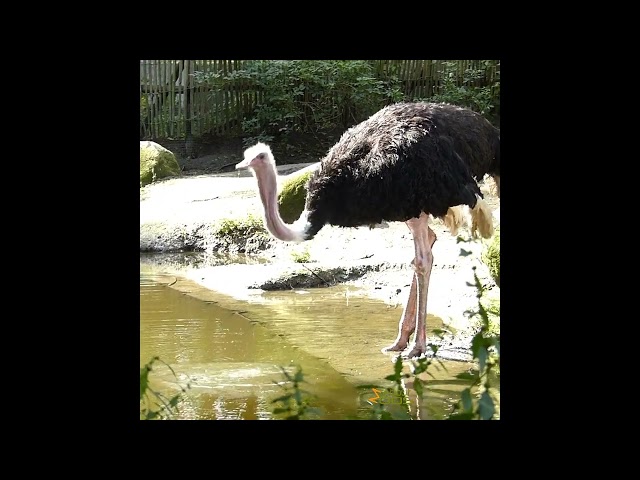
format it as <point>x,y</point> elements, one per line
<point>243,164</point>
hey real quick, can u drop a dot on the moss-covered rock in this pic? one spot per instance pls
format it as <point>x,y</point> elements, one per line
<point>292,195</point>
<point>491,256</point>
<point>156,162</point>
<point>242,235</point>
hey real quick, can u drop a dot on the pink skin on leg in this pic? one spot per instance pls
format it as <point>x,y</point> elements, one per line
<point>423,239</point>
<point>407,322</point>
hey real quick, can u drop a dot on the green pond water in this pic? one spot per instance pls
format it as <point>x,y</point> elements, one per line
<point>232,352</point>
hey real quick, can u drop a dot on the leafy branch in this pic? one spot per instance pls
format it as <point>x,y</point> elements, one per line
<point>156,405</point>
<point>293,404</point>
<point>485,348</point>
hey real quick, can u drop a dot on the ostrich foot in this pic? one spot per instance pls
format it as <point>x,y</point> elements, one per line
<point>396,347</point>
<point>414,351</point>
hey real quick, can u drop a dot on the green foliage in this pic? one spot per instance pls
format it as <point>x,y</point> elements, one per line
<point>292,196</point>
<point>294,403</point>
<point>239,235</point>
<point>394,395</point>
<point>144,111</point>
<point>301,257</point>
<point>309,96</point>
<point>416,367</point>
<point>154,405</point>
<point>464,92</point>
<point>492,307</point>
<point>295,95</point>
<point>485,348</point>
<point>144,106</point>
<point>234,229</point>
<point>491,256</point>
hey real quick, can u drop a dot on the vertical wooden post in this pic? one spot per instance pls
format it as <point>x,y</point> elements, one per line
<point>189,142</point>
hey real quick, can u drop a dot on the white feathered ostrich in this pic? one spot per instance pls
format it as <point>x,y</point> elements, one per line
<point>404,163</point>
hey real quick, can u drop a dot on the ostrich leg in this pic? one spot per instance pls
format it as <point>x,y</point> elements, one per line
<point>408,320</point>
<point>423,239</point>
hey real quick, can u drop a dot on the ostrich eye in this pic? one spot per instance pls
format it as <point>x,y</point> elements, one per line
<point>261,156</point>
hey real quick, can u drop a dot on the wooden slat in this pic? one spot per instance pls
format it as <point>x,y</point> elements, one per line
<point>145,69</point>
<point>144,133</point>
<point>177,109</point>
<point>426,71</point>
<point>214,101</point>
<point>195,98</point>
<point>150,99</point>
<point>185,107</point>
<point>220,99</point>
<point>192,105</point>
<point>180,101</point>
<point>156,81</point>
<point>162,91</point>
<point>419,77</point>
<point>403,74</point>
<point>202,111</point>
<point>187,87</point>
<point>235,95</point>
<point>158,96</point>
<point>185,99</point>
<point>172,99</point>
<point>209,105</point>
<point>244,96</point>
<point>177,105</point>
<point>225,105</point>
<point>437,76</point>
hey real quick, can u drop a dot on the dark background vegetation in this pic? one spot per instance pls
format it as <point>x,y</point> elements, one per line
<point>302,107</point>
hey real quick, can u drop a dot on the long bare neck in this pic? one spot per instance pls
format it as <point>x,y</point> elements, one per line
<point>268,188</point>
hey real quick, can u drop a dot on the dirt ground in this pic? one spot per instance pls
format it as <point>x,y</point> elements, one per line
<point>178,214</point>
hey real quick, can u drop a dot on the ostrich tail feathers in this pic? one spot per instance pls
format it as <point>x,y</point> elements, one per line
<point>454,219</point>
<point>481,219</point>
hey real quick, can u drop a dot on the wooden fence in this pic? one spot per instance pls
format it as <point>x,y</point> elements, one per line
<point>173,105</point>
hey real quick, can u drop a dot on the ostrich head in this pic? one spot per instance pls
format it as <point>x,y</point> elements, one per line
<point>259,160</point>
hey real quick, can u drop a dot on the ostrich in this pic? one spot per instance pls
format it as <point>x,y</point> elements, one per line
<point>406,162</point>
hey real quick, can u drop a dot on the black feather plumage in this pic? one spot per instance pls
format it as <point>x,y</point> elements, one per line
<point>406,159</point>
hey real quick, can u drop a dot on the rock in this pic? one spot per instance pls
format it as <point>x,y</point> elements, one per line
<point>156,162</point>
<point>295,277</point>
<point>293,192</point>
